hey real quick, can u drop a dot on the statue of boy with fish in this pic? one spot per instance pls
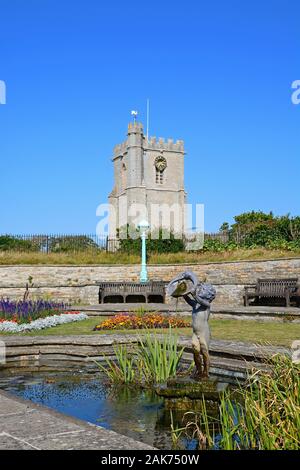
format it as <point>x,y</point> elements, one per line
<point>199,296</point>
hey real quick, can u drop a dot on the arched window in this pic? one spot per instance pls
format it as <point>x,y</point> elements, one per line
<point>123,176</point>
<point>159,176</point>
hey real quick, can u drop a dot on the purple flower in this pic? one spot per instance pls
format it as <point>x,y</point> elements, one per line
<point>24,310</point>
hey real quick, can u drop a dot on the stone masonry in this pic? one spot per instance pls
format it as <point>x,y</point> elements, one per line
<point>147,172</point>
<point>79,283</point>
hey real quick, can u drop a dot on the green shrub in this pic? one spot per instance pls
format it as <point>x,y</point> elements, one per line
<point>215,245</point>
<point>256,228</point>
<point>71,243</point>
<point>157,241</point>
<point>10,243</point>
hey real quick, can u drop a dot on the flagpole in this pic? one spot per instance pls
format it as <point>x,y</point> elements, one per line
<point>147,118</point>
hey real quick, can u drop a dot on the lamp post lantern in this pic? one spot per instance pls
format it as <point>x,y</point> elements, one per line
<point>144,227</point>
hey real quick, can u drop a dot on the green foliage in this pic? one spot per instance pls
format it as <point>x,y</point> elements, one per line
<point>156,360</point>
<point>8,243</point>
<point>249,230</point>
<point>264,415</point>
<point>71,243</point>
<point>254,229</point>
<point>54,244</point>
<point>252,217</point>
<point>159,357</point>
<point>141,311</point>
<point>122,370</point>
<point>159,241</point>
<point>215,245</point>
<point>224,227</point>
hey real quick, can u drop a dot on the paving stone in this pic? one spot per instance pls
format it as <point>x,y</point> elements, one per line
<point>35,424</point>
<point>97,439</point>
<point>8,442</point>
<point>7,407</point>
<point>41,428</point>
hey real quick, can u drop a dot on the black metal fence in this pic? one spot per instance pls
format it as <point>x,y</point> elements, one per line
<point>236,236</point>
<point>53,243</point>
<point>65,243</point>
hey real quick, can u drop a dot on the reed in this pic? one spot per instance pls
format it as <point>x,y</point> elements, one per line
<point>265,415</point>
<point>155,360</point>
<point>159,357</point>
<point>120,370</point>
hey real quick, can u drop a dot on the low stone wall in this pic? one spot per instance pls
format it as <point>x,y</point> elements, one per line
<point>77,283</point>
<point>33,353</point>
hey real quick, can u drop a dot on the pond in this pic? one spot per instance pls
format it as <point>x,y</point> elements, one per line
<point>135,412</point>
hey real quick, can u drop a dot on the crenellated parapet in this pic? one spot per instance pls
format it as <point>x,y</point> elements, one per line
<point>149,144</point>
<point>134,127</point>
<point>120,149</point>
<point>161,144</point>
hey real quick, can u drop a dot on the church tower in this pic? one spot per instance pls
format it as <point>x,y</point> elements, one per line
<point>148,172</point>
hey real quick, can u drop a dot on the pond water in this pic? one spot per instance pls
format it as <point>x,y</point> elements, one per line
<point>134,412</point>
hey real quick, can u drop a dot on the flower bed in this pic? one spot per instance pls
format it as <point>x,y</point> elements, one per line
<point>25,311</point>
<point>12,326</point>
<point>133,322</point>
<point>27,315</point>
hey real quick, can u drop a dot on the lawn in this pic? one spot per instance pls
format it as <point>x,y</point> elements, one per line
<point>239,330</point>
<point>102,257</point>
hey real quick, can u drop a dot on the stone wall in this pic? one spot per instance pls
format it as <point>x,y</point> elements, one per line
<point>77,283</point>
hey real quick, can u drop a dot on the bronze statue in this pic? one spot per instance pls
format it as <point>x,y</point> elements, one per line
<point>198,295</point>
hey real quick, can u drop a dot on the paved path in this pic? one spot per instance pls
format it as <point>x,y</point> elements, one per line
<point>26,426</point>
<point>105,309</point>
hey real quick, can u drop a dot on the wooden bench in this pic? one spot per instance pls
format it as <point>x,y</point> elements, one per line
<point>272,288</point>
<point>132,292</point>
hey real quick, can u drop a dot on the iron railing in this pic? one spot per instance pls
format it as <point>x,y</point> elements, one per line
<point>60,243</point>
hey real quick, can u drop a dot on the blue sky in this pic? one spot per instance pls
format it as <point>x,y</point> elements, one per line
<point>218,75</point>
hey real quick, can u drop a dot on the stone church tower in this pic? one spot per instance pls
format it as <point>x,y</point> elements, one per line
<point>148,172</point>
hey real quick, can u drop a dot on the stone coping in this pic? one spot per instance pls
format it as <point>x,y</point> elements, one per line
<point>28,426</point>
<point>130,307</point>
<point>230,360</point>
<point>254,313</point>
<point>16,344</point>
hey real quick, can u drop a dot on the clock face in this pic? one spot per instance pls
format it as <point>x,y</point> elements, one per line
<point>160,163</point>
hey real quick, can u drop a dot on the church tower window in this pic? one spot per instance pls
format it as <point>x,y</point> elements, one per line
<point>159,176</point>
<point>160,166</point>
<point>123,176</point>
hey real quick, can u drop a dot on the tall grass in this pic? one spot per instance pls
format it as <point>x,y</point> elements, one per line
<point>102,257</point>
<point>121,370</point>
<point>155,360</point>
<point>265,416</point>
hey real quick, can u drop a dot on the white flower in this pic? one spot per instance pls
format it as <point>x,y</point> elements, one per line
<point>41,323</point>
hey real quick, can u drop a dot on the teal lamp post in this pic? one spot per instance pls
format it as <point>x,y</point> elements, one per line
<point>144,227</point>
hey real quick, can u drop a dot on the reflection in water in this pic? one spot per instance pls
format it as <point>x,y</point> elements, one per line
<point>134,412</point>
